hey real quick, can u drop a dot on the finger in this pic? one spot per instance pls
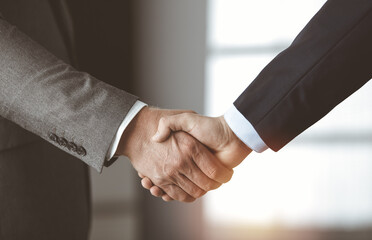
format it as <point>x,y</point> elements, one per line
<point>156,191</point>
<point>141,175</point>
<point>210,165</point>
<point>177,193</point>
<point>166,198</point>
<point>194,174</point>
<point>179,122</point>
<point>146,183</point>
<point>189,187</point>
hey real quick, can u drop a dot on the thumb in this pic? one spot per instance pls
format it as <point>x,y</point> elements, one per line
<point>162,134</point>
<point>167,124</point>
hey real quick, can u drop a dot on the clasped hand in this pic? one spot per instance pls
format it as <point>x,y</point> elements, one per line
<point>181,155</point>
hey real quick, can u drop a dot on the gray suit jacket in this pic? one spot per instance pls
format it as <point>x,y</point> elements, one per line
<point>44,190</point>
<point>46,96</point>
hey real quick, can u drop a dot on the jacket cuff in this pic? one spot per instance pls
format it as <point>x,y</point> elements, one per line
<point>136,108</point>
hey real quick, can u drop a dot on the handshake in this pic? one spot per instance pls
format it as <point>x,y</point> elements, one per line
<point>181,155</point>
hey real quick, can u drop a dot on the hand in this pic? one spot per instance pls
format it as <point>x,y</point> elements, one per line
<point>181,167</point>
<point>212,132</point>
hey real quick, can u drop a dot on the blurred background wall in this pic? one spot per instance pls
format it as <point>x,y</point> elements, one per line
<point>319,186</point>
<point>201,55</point>
<point>168,72</point>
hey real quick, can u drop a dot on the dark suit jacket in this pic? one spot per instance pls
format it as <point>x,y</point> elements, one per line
<point>329,60</point>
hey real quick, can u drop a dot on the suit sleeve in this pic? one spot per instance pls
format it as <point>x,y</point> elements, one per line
<point>72,110</point>
<point>328,61</point>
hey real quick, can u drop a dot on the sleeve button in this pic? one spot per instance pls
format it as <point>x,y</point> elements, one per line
<point>53,137</point>
<point>81,151</point>
<point>62,142</point>
<point>72,147</point>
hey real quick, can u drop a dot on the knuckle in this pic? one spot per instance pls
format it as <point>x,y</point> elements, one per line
<point>215,185</point>
<point>190,145</point>
<point>190,112</point>
<point>186,114</point>
<point>183,164</point>
<point>162,181</point>
<point>163,121</point>
<point>213,173</point>
<point>212,185</point>
<point>170,172</point>
<point>176,163</point>
<point>230,175</point>
<point>185,198</point>
<point>188,171</point>
<point>173,170</point>
<point>158,180</point>
<point>190,199</point>
<point>199,193</point>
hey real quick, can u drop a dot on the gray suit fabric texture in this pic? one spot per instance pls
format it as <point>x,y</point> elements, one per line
<point>44,189</point>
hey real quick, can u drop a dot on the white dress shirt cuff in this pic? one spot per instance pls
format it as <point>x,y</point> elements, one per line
<point>138,105</point>
<point>244,130</point>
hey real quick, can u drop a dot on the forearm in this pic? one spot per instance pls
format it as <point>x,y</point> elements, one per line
<point>46,96</point>
<point>328,61</point>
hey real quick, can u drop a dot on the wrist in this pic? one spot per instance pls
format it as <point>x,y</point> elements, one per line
<point>234,144</point>
<point>138,132</point>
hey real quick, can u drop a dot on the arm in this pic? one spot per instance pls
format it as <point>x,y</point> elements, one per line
<point>68,108</point>
<point>82,115</point>
<point>328,61</point>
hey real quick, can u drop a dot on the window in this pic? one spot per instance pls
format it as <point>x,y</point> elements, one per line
<point>324,177</point>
